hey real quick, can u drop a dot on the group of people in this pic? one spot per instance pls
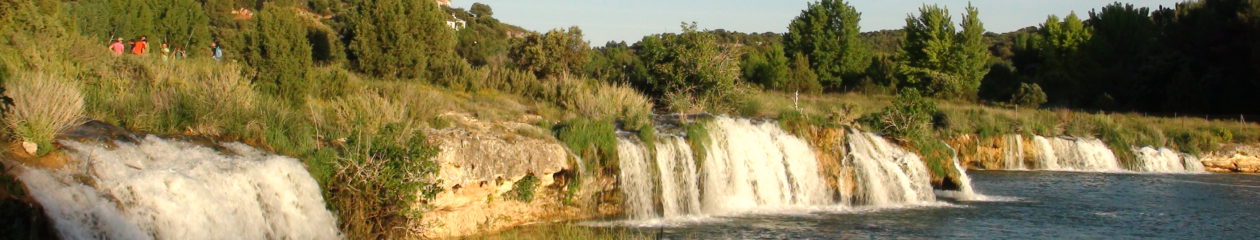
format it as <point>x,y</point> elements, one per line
<point>141,47</point>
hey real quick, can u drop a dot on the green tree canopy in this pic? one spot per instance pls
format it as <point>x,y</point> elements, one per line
<point>938,59</point>
<point>283,52</point>
<point>827,32</point>
<point>399,38</point>
<point>687,63</point>
<point>556,52</point>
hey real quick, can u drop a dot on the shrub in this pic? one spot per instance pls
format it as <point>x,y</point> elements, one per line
<point>43,106</point>
<point>1029,95</point>
<point>909,116</point>
<point>523,190</point>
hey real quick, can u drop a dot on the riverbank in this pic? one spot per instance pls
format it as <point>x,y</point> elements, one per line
<point>476,184</point>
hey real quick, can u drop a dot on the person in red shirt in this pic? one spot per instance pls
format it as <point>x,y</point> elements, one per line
<point>141,46</point>
<point>117,47</point>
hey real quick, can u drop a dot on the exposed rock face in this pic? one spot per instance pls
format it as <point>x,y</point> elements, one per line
<point>480,162</point>
<point>1233,158</point>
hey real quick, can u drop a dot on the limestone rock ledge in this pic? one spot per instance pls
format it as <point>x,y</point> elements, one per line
<point>480,162</point>
<point>1235,158</point>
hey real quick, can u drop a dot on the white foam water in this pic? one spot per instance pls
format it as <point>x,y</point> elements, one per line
<point>1164,160</point>
<point>747,167</point>
<point>169,189</point>
<point>1077,154</point>
<point>1014,152</point>
<point>886,174</point>
<point>1087,154</point>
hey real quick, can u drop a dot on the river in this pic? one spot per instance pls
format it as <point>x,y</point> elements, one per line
<point>1026,204</point>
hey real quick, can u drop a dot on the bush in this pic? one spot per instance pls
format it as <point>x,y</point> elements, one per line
<point>911,115</point>
<point>43,106</point>
<point>1029,95</point>
<point>523,190</point>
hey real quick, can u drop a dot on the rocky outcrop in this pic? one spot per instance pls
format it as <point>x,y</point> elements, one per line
<point>482,161</point>
<point>1234,158</point>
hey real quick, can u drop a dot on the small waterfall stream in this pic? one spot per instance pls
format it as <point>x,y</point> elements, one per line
<point>169,189</point>
<point>887,174</point>
<point>1014,152</point>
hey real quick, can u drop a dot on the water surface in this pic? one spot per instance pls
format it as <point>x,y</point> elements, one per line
<point>1036,205</point>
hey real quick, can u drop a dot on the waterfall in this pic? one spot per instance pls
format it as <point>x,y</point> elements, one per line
<point>965,191</point>
<point>1164,160</point>
<point>886,173</point>
<point>1080,154</point>
<point>747,166</point>
<point>168,189</point>
<point>1014,152</point>
<point>1045,158</point>
<point>751,165</point>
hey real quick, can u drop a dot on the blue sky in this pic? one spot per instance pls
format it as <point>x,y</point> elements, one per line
<point>630,20</point>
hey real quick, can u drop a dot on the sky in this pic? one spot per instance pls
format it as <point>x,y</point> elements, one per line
<point>629,20</point>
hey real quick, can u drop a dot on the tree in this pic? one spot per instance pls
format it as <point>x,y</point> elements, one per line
<point>482,11</point>
<point>688,63</point>
<point>399,38</point>
<point>803,78</point>
<point>827,32</point>
<point>941,61</point>
<point>972,53</point>
<point>556,52</point>
<point>766,66</point>
<point>284,55</point>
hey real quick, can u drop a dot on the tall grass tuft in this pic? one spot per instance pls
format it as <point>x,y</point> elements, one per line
<point>43,106</point>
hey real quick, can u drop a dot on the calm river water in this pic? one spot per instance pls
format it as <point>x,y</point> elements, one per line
<point>1034,205</point>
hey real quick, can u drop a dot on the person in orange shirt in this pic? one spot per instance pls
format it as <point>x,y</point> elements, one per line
<point>141,46</point>
<point>117,47</point>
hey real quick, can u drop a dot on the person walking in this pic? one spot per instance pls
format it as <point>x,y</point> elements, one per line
<point>117,47</point>
<point>216,51</point>
<point>141,46</point>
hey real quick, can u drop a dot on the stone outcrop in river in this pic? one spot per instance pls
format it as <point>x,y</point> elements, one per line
<point>1233,158</point>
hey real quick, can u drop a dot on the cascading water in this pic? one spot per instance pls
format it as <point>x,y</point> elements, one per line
<point>887,174</point>
<point>168,189</point>
<point>1045,158</point>
<point>747,167</point>
<point>1164,160</point>
<point>1080,154</point>
<point>757,165</point>
<point>1014,152</point>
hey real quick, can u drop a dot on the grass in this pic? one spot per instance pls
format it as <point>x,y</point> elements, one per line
<point>43,106</point>
<point>595,141</point>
